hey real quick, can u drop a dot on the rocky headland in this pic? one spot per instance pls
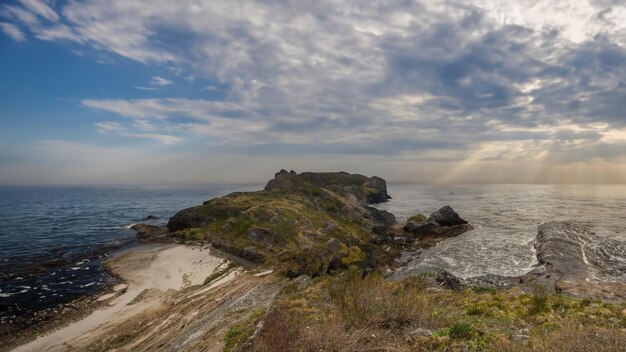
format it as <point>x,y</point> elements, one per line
<point>309,264</point>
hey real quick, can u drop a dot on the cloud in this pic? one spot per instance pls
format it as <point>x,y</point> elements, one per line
<point>443,81</point>
<point>12,31</point>
<point>40,9</point>
<point>160,81</point>
<point>106,127</point>
<point>119,129</point>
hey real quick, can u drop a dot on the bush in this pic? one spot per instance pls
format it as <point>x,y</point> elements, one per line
<point>462,330</point>
<point>540,300</point>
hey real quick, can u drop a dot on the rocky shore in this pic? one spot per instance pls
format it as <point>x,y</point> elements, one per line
<point>309,257</point>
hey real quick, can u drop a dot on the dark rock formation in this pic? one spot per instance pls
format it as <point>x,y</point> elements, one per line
<point>449,281</point>
<point>446,217</point>
<point>151,233</point>
<point>151,217</point>
<point>443,223</point>
<point>381,216</point>
<point>367,190</point>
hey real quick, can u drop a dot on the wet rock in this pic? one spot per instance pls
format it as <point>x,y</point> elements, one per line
<point>151,217</point>
<point>423,228</point>
<point>446,216</point>
<point>150,233</point>
<point>572,261</point>
<point>443,223</point>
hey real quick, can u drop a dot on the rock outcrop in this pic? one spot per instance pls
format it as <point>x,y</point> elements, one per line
<point>291,220</point>
<point>572,259</point>
<point>367,190</point>
<point>150,233</point>
<point>442,224</point>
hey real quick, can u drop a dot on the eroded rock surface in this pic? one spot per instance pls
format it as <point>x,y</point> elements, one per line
<point>574,260</point>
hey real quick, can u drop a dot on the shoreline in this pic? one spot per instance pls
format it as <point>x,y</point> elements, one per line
<point>151,273</point>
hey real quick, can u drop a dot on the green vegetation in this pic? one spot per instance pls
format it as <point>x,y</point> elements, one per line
<point>238,333</point>
<point>417,218</point>
<point>288,227</point>
<point>221,271</point>
<point>302,224</point>
<point>352,312</point>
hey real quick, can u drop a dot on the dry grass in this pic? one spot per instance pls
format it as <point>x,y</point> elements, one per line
<point>354,313</point>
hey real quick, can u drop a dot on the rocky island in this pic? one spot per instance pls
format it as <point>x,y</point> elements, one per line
<point>308,264</point>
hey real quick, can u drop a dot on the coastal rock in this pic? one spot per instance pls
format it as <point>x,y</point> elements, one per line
<point>449,281</point>
<point>446,216</point>
<point>150,233</point>
<point>381,216</point>
<point>151,217</point>
<point>574,260</point>
<point>367,190</point>
<point>422,228</point>
<point>443,223</point>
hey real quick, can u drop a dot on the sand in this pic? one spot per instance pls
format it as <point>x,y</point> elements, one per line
<point>152,274</point>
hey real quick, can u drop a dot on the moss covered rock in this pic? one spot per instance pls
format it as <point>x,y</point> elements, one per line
<point>297,221</point>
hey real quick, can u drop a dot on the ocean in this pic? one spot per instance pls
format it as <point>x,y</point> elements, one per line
<point>505,220</point>
<point>53,239</point>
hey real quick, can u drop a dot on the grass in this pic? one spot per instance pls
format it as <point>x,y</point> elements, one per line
<point>352,311</point>
<point>238,333</point>
<point>222,270</point>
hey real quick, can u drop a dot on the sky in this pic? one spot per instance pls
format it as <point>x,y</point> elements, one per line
<point>211,91</point>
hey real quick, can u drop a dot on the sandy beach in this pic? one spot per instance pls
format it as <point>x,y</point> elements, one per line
<point>151,274</point>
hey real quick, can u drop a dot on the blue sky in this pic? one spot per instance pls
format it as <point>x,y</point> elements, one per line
<point>480,91</point>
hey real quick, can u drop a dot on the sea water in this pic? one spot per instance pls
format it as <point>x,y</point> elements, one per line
<point>505,220</point>
<point>53,239</point>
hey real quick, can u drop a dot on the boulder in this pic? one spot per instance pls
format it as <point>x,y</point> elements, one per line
<point>443,223</point>
<point>422,228</point>
<point>381,216</point>
<point>446,216</point>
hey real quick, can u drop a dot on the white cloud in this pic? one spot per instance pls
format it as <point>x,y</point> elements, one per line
<point>106,127</point>
<point>440,80</point>
<point>41,9</point>
<point>160,81</point>
<point>119,129</point>
<point>12,31</point>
